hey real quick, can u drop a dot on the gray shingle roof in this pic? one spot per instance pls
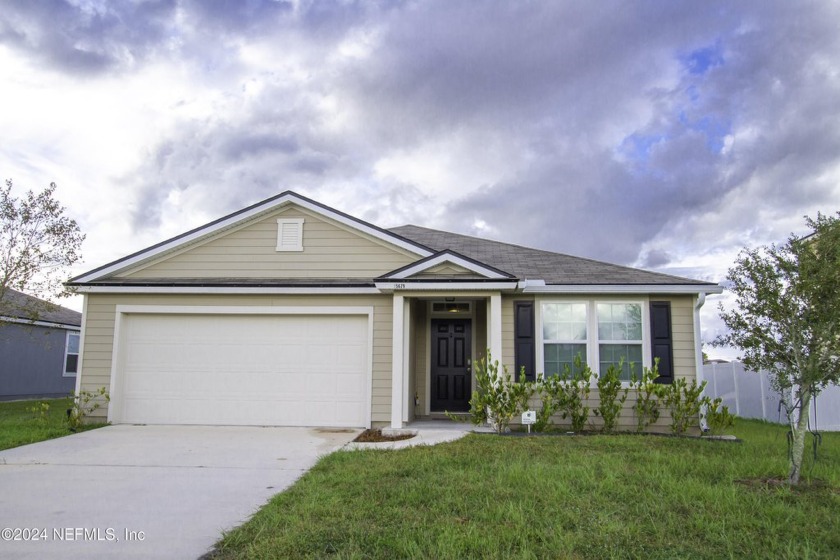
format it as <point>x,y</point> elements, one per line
<point>21,306</point>
<point>527,263</point>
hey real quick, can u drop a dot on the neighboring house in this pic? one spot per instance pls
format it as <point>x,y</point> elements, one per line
<point>291,313</point>
<point>39,348</point>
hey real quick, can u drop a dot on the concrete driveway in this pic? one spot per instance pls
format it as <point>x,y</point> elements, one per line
<point>147,491</point>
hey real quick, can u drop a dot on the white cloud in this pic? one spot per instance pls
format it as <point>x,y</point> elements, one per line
<point>511,120</point>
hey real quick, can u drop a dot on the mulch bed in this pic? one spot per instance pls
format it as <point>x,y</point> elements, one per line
<point>375,436</point>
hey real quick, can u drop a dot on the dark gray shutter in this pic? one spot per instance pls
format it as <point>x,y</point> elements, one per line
<point>524,344</point>
<point>662,340</point>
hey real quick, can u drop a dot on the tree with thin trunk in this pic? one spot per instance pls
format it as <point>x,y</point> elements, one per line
<point>38,245</point>
<point>787,320</point>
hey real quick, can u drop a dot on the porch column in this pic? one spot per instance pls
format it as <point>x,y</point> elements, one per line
<point>494,326</point>
<point>399,362</point>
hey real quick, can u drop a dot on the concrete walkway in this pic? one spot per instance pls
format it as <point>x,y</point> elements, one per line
<point>147,491</point>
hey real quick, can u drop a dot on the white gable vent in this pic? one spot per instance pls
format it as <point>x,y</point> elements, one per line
<point>290,234</point>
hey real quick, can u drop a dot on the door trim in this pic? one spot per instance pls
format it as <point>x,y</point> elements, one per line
<point>470,320</point>
<point>427,404</point>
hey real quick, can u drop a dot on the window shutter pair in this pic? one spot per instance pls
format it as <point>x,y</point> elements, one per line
<point>662,343</point>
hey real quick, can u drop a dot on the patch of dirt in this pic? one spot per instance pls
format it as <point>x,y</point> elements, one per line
<point>375,435</point>
<point>766,483</point>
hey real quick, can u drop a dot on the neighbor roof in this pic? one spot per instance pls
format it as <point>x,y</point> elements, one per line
<point>17,305</point>
<point>527,263</point>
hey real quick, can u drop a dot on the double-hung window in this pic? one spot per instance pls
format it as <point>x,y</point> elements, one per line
<point>620,338</point>
<point>564,331</point>
<point>71,354</point>
<point>602,333</point>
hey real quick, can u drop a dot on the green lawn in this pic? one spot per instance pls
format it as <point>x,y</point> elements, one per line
<point>623,496</point>
<point>19,426</point>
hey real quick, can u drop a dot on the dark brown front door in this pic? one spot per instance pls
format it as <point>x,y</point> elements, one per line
<point>451,374</point>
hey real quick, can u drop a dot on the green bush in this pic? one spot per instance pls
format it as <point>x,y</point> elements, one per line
<point>572,392</point>
<point>83,404</point>
<point>611,397</point>
<point>550,402</point>
<point>648,393</point>
<point>684,401</point>
<point>717,416</point>
<point>498,398</point>
<point>41,412</point>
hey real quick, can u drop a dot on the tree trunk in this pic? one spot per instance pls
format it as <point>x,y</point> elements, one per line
<point>800,429</point>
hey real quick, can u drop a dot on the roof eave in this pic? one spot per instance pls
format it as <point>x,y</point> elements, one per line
<point>532,287</point>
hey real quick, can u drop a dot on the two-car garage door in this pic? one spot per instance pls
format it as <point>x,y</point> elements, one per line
<point>238,369</point>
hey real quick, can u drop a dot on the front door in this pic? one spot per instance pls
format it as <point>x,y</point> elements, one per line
<point>451,360</point>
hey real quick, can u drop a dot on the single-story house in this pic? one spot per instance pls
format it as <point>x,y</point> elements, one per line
<point>39,348</point>
<point>293,313</point>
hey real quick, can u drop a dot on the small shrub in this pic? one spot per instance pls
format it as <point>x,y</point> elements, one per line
<point>41,412</point>
<point>83,404</point>
<point>611,396</point>
<point>498,398</point>
<point>550,403</point>
<point>684,401</point>
<point>648,393</point>
<point>571,393</point>
<point>717,416</point>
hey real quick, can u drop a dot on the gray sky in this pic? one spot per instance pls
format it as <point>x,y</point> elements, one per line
<point>665,135</point>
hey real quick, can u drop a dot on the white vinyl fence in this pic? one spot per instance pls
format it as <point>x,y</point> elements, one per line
<point>749,395</point>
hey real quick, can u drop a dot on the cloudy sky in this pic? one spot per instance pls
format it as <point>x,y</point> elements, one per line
<point>665,135</point>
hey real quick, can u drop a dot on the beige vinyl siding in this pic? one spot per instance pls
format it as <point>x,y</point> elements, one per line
<point>98,340</point>
<point>682,332</point>
<point>447,270</point>
<point>330,250</point>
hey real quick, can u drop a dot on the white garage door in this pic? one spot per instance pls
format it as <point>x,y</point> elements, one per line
<point>275,370</point>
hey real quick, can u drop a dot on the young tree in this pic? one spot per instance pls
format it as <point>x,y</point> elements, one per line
<point>38,244</point>
<point>787,320</point>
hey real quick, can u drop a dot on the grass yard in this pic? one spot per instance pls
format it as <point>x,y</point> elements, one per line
<point>555,497</point>
<point>19,425</point>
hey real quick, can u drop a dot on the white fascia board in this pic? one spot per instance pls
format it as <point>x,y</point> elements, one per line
<point>444,286</point>
<point>220,290</point>
<point>447,258</point>
<point>47,324</point>
<point>240,217</point>
<point>245,310</point>
<point>622,289</point>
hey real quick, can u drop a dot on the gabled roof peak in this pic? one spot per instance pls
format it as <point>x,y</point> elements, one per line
<point>241,216</point>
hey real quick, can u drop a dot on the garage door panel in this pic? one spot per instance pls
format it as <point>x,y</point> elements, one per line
<point>246,370</point>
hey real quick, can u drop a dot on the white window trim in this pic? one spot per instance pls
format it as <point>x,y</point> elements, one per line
<point>286,247</point>
<point>64,372</point>
<point>593,343</point>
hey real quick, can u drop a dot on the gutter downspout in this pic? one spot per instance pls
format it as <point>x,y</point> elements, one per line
<point>698,349</point>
